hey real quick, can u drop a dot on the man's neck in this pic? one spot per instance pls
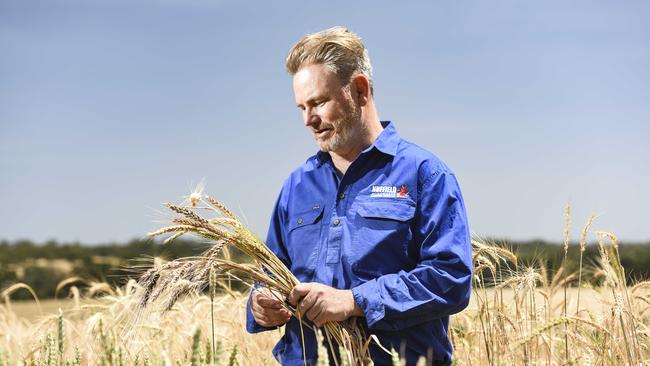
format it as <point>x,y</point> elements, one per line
<point>343,159</point>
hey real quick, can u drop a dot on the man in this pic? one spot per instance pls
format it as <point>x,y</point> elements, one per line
<point>373,226</point>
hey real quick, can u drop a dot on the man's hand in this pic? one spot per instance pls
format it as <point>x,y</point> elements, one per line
<point>323,304</point>
<point>267,308</point>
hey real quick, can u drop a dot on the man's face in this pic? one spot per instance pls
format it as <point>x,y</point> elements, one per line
<point>328,108</point>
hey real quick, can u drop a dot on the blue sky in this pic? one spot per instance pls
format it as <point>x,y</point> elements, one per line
<point>109,108</point>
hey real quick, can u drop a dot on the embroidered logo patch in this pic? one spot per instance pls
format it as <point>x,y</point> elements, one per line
<point>388,191</point>
<point>402,192</point>
<point>383,191</point>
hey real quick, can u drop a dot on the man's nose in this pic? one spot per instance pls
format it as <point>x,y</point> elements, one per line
<point>310,117</point>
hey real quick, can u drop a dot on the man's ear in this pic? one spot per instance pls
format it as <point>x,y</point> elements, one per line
<point>362,88</point>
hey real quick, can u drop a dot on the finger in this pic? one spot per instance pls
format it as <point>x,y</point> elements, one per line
<point>267,298</point>
<point>280,314</point>
<point>276,294</point>
<point>284,317</point>
<point>301,289</point>
<point>305,304</point>
<point>257,312</point>
<point>322,317</point>
<point>255,296</point>
<point>266,306</point>
<point>271,319</point>
<point>263,292</point>
<point>315,311</point>
<point>269,303</point>
<point>259,308</point>
<point>265,322</point>
<point>319,320</point>
<point>260,318</point>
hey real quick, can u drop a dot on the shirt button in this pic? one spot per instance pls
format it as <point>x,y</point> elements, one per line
<point>337,222</point>
<point>300,220</point>
<point>342,195</point>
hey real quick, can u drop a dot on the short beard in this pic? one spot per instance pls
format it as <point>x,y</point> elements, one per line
<point>348,133</point>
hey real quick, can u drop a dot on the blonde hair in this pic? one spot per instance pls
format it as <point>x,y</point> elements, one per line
<point>337,48</point>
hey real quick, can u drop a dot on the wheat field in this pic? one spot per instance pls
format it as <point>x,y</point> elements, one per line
<point>517,319</point>
<point>518,315</point>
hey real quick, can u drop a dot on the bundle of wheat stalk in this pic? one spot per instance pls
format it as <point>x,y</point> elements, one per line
<point>166,283</point>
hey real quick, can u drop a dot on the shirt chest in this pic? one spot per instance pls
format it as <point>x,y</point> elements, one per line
<point>352,228</point>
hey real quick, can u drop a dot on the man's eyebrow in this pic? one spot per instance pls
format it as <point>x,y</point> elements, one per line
<point>310,100</point>
<point>317,98</point>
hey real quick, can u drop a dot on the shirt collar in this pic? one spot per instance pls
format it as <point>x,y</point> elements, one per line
<point>388,139</point>
<point>386,142</point>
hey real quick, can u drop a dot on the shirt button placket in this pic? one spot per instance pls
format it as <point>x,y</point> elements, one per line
<point>334,242</point>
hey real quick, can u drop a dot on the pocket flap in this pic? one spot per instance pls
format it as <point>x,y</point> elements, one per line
<point>306,217</point>
<point>398,209</point>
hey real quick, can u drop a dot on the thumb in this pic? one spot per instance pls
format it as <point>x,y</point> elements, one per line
<point>299,292</point>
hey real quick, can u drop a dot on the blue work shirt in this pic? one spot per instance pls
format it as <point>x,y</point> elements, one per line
<point>394,230</point>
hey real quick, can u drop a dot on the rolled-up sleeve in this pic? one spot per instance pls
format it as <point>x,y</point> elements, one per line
<point>440,283</point>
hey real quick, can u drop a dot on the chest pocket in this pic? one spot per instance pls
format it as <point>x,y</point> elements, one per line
<point>383,236</point>
<point>303,238</point>
<point>397,210</point>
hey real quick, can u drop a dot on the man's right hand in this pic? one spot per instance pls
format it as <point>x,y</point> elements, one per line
<point>267,308</point>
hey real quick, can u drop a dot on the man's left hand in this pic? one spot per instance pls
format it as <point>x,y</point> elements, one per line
<point>323,304</point>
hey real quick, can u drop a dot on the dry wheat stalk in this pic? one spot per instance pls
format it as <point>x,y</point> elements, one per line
<point>169,282</point>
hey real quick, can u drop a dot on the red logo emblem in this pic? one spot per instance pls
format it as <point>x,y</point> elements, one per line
<point>402,192</point>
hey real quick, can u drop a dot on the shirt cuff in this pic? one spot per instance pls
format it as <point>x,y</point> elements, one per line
<point>368,297</point>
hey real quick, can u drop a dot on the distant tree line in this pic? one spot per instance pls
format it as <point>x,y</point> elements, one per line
<point>43,265</point>
<point>635,257</point>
